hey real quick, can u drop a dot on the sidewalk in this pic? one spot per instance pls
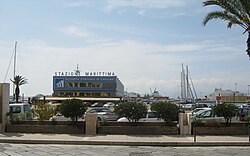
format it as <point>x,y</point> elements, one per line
<point>125,140</point>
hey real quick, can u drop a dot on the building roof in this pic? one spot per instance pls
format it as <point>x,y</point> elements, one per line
<point>50,98</point>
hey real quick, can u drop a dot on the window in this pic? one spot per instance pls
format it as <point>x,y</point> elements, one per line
<point>26,108</point>
<point>152,115</point>
<point>69,84</point>
<point>15,109</point>
<point>82,84</point>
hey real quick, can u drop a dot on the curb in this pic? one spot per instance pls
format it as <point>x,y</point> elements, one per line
<point>123,143</point>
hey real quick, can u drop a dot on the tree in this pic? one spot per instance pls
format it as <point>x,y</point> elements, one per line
<point>226,110</point>
<point>18,81</point>
<point>132,111</point>
<point>166,111</point>
<point>42,112</point>
<point>73,108</point>
<point>235,12</point>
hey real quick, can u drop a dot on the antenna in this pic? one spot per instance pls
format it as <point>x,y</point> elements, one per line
<point>77,71</point>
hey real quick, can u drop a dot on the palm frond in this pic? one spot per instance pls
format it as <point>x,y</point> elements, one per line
<point>246,7</point>
<point>232,8</point>
<point>223,16</point>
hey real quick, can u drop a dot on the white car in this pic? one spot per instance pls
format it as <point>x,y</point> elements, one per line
<point>109,104</point>
<point>103,114</point>
<point>208,116</point>
<point>197,111</point>
<point>150,117</point>
<point>60,117</point>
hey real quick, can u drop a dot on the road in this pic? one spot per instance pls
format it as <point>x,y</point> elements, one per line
<point>93,150</point>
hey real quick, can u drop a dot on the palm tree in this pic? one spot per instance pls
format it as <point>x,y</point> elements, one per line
<point>235,12</point>
<point>18,81</point>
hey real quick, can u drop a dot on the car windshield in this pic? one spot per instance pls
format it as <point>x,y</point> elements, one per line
<point>206,113</point>
<point>99,110</point>
<point>200,111</point>
<point>152,115</point>
<point>197,110</point>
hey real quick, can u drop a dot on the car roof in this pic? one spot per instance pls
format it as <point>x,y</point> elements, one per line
<point>18,104</point>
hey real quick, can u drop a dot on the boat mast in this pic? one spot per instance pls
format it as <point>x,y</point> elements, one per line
<point>183,84</point>
<point>14,74</point>
<point>187,85</point>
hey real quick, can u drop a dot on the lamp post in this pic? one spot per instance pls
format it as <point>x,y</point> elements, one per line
<point>248,90</point>
<point>248,94</point>
<point>235,92</point>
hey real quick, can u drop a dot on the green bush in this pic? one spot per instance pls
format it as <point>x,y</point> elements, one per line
<point>167,111</point>
<point>41,111</point>
<point>247,119</point>
<point>228,111</point>
<point>73,108</point>
<point>132,111</point>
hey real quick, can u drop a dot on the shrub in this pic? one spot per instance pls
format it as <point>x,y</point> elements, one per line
<point>226,110</point>
<point>73,108</point>
<point>42,112</point>
<point>166,111</point>
<point>247,119</point>
<point>132,111</point>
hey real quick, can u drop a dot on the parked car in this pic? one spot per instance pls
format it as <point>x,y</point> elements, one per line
<point>208,115</point>
<point>103,114</point>
<point>97,104</point>
<point>201,105</point>
<point>150,117</point>
<point>17,108</point>
<point>198,111</point>
<point>188,106</point>
<point>60,117</point>
<point>109,104</point>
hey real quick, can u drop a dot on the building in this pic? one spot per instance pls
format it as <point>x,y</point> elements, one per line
<point>87,85</point>
<point>220,95</point>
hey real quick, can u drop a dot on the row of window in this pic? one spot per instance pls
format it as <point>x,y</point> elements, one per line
<point>90,85</point>
<point>84,85</point>
<point>83,94</point>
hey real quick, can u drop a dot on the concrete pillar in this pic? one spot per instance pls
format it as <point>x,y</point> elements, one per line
<point>189,122</point>
<point>184,124</point>
<point>90,124</point>
<point>181,123</point>
<point>4,104</point>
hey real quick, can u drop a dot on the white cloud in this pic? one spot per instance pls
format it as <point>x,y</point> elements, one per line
<point>75,31</point>
<point>141,12</point>
<point>135,63</point>
<point>146,4</point>
<point>78,4</point>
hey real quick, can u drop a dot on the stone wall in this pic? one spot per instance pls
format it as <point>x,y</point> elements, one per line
<point>233,129</point>
<point>139,129</point>
<point>60,128</point>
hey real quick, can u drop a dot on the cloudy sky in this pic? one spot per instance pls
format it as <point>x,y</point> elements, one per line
<point>143,41</point>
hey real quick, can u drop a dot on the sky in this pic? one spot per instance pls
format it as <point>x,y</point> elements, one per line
<point>144,42</point>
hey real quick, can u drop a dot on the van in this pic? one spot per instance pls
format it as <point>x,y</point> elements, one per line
<point>17,108</point>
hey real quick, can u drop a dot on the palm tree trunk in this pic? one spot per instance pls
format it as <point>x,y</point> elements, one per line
<point>248,44</point>
<point>17,93</point>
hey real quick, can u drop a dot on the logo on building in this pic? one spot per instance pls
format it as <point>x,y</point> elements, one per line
<point>59,83</point>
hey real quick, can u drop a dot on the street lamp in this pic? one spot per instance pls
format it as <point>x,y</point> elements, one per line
<point>248,90</point>
<point>248,94</point>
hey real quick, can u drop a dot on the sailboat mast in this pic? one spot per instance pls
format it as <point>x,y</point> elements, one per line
<point>187,85</point>
<point>14,74</point>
